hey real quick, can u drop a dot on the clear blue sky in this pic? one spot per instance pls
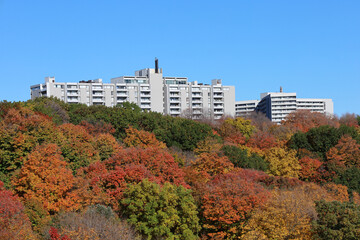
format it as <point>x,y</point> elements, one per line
<point>311,47</point>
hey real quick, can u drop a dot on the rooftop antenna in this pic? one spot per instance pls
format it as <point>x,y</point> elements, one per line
<point>156,65</point>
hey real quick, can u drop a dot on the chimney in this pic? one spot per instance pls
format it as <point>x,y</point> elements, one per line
<point>281,90</point>
<point>156,66</point>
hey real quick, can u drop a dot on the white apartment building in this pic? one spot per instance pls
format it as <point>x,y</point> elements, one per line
<point>151,91</point>
<point>277,105</point>
<point>244,108</point>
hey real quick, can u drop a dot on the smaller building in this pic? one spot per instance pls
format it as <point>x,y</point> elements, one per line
<point>244,108</point>
<point>277,105</point>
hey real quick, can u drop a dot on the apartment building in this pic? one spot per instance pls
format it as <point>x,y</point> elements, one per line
<point>150,90</point>
<point>277,105</point>
<point>244,108</point>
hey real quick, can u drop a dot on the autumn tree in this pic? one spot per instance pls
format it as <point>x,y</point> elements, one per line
<point>228,203</point>
<point>282,162</point>
<point>141,138</point>
<point>311,169</point>
<point>349,119</point>
<point>262,140</point>
<point>304,120</point>
<point>344,154</point>
<point>77,146</point>
<point>95,222</point>
<point>44,177</point>
<point>21,130</point>
<point>238,125</point>
<point>161,212</point>
<point>287,215</point>
<point>109,179</point>
<point>14,223</point>
<point>208,145</point>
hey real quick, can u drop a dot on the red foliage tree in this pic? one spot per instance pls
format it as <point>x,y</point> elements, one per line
<point>54,235</point>
<point>109,179</point>
<point>310,169</point>
<point>304,120</point>
<point>14,223</point>
<point>262,140</point>
<point>228,202</point>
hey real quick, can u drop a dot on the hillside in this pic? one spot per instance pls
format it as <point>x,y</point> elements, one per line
<point>69,171</point>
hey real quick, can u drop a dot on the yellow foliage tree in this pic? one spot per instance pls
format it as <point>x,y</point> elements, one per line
<point>208,145</point>
<point>282,162</point>
<point>238,124</point>
<point>287,215</point>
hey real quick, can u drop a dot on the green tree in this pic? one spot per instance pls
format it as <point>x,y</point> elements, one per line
<point>165,212</point>
<point>337,220</point>
<point>241,158</point>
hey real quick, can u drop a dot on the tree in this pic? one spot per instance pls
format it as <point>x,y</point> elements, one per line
<point>209,165</point>
<point>311,169</point>
<point>337,220</point>
<point>241,158</point>
<point>227,204</point>
<point>95,222</point>
<point>238,125</point>
<point>44,177</point>
<point>344,154</point>
<point>77,146</point>
<point>282,162</point>
<point>287,215</point>
<point>14,223</point>
<point>262,140</point>
<point>304,120</point>
<point>161,212</point>
<point>141,138</point>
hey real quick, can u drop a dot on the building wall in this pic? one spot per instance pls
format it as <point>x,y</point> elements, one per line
<point>150,91</point>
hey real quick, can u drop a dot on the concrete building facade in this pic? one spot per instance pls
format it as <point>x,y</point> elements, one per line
<point>277,105</point>
<point>151,91</point>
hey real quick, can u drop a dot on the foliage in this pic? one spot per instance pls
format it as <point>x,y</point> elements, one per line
<point>282,162</point>
<point>240,158</point>
<point>78,146</point>
<point>45,178</point>
<point>227,204</point>
<point>208,145</point>
<point>165,212</point>
<point>311,169</point>
<point>14,223</point>
<point>141,138</point>
<point>238,125</point>
<point>209,165</point>
<point>344,154</point>
<point>304,120</point>
<point>96,222</point>
<point>337,220</point>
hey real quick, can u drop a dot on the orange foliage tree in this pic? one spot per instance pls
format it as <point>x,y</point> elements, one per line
<point>227,204</point>
<point>141,138</point>
<point>344,154</point>
<point>44,177</point>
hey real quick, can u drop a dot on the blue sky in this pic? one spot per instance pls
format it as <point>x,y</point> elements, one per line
<point>308,47</point>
